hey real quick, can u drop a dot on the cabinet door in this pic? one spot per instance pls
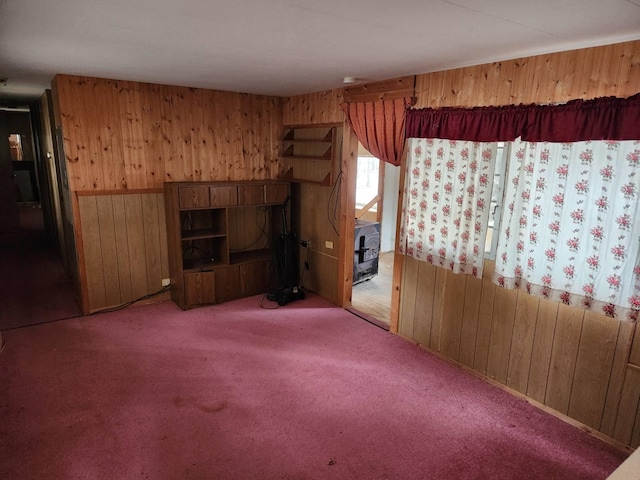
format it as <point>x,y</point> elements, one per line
<point>199,288</point>
<point>194,197</point>
<point>223,196</point>
<point>276,193</point>
<point>227,285</point>
<point>250,194</point>
<point>253,278</point>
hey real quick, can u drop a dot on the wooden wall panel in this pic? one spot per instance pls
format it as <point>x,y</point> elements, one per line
<point>322,267</point>
<point>453,310</point>
<point>563,357</point>
<point>93,261</point>
<point>438,308</point>
<point>123,135</point>
<point>541,350</point>
<point>108,250</point>
<point>469,330</point>
<point>522,344</point>
<point>629,404</point>
<point>314,108</point>
<point>556,77</point>
<point>634,355</point>
<point>614,390</point>
<point>128,137</point>
<point>122,247</point>
<point>424,302</point>
<point>593,368</point>
<point>125,250</point>
<point>485,317</point>
<point>408,309</point>
<point>504,308</point>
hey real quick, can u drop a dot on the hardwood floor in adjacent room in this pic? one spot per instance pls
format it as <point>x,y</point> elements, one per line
<point>373,297</point>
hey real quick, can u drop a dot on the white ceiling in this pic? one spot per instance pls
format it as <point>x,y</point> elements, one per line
<point>287,47</point>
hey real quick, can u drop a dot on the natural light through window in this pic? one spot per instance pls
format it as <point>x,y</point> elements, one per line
<point>491,240</point>
<point>367,180</point>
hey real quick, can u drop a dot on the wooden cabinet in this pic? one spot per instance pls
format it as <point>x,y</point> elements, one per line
<point>309,154</point>
<point>220,238</point>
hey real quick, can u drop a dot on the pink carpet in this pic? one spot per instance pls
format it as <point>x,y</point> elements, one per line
<point>34,288</point>
<point>233,391</point>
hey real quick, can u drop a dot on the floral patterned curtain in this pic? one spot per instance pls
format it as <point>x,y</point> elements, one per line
<point>571,231</point>
<point>447,196</point>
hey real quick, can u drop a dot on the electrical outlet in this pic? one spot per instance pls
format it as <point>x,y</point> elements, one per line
<point>328,244</point>
<point>166,282</point>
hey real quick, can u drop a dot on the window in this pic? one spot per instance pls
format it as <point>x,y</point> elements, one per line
<point>449,186</point>
<point>367,181</point>
<point>499,174</point>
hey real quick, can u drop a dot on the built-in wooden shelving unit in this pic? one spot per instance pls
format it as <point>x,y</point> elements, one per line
<point>309,154</point>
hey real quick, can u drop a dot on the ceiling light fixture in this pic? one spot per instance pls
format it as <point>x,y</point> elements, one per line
<point>349,80</point>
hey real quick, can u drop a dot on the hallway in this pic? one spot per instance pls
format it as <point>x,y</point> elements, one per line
<point>34,288</point>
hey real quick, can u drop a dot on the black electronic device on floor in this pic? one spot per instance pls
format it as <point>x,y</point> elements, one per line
<point>365,251</point>
<point>286,265</point>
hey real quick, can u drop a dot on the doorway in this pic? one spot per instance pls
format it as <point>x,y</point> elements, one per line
<point>39,288</point>
<point>376,204</point>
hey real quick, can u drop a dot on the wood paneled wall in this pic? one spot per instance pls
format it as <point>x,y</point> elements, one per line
<point>124,247</point>
<point>122,137</point>
<point>574,362</point>
<point>314,108</point>
<point>610,70</point>
<point>316,203</point>
<point>125,135</point>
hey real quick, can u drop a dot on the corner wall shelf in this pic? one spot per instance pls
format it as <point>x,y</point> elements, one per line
<point>309,153</point>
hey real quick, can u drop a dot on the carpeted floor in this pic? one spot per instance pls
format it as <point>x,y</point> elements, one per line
<point>34,288</point>
<point>233,391</point>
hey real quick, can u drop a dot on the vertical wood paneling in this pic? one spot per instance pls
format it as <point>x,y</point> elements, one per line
<point>634,355</point>
<point>438,308</point>
<point>136,245</point>
<point>485,319</point>
<point>108,250</point>
<point>424,302</point>
<point>322,267</point>
<point>563,357</point>
<point>614,390</point>
<point>522,343</point>
<point>504,308</point>
<point>593,368</point>
<point>635,434</point>
<point>93,265</point>
<point>408,309</point>
<point>556,77</point>
<point>629,402</point>
<point>162,228</point>
<point>122,249</point>
<point>314,108</point>
<point>123,135</point>
<point>541,350</point>
<point>453,309</point>
<point>152,248</point>
<point>125,250</point>
<point>469,332</point>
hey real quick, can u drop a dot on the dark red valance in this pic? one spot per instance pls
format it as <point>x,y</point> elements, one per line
<point>607,118</point>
